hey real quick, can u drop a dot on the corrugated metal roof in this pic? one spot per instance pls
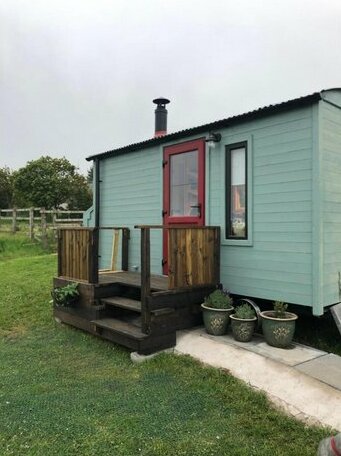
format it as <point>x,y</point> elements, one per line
<point>260,112</point>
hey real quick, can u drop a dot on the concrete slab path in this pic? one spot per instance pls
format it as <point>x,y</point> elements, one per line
<point>297,379</point>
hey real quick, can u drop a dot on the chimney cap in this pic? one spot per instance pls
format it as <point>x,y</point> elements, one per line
<point>161,101</point>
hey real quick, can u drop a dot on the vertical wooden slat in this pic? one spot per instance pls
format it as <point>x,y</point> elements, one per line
<point>171,259</point>
<point>85,237</point>
<point>178,277</point>
<point>216,257</point>
<point>145,278</point>
<point>78,258</point>
<point>60,253</point>
<point>88,241</point>
<point>187,263</point>
<point>66,271</point>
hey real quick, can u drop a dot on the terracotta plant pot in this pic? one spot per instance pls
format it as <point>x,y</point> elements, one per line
<point>243,328</point>
<point>216,320</point>
<point>278,332</point>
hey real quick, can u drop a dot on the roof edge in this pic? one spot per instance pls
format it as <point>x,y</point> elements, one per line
<point>260,112</point>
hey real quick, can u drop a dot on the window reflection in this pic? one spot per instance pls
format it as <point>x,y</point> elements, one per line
<point>184,184</point>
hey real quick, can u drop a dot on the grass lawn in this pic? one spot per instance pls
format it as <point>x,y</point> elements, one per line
<point>64,392</point>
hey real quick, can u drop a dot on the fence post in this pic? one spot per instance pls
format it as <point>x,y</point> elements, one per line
<point>14,220</point>
<point>31,223</point>
<point>54,217</point>
<point>54,222</point>
<point>43,226</point>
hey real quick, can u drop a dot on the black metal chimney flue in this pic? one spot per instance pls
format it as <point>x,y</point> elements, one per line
<point>160,116</point>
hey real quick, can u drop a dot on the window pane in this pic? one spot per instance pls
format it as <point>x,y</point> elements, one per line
<point>238,187</point>
<point>184,184</point>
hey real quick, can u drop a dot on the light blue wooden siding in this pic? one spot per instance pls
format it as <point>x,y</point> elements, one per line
<point>88,217</point>
<point>131,194</point>
<point>278,264</point>
<point>330,143</point>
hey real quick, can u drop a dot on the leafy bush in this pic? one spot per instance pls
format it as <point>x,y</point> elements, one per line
<point>219,299</point>
<point>245,311</point>
<point>65,296</point>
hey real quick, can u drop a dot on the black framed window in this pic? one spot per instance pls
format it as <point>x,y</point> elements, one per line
<point>236,191</point>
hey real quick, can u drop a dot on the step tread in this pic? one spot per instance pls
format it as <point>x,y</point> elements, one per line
<point>120,326</point>
<point>121,301</point>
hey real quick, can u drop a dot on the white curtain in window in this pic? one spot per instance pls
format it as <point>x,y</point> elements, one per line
<point>238,166</point>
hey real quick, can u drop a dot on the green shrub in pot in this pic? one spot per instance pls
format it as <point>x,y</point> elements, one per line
<point>278,325</point>
<point>217,309</point>
<point>243,323</point>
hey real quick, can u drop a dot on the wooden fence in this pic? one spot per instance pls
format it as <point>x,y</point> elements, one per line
<point>37,220</point>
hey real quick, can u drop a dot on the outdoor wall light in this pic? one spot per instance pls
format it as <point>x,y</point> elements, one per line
<point>213,138</point>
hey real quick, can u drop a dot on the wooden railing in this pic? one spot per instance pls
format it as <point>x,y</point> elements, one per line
<point>193,259</point>
<point>193,256</point>
<point>78,252</point>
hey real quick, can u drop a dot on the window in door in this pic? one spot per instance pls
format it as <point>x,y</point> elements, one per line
<point>184,184</point>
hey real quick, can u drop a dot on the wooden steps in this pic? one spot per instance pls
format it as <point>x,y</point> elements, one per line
<point>129,335</point>
<point>122,302</point>
<point>113,311</point>
<point>119,326</point>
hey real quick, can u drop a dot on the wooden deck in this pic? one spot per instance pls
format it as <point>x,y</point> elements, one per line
<point>157,282</point>
<point>141,311</point>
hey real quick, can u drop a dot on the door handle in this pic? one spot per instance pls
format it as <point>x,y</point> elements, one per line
<point>197,206</point>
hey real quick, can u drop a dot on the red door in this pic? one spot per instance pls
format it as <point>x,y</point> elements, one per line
<point>183,187</point>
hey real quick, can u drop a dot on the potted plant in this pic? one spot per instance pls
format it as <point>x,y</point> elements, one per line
<point>243,323</point>
<point>216,312</point>
<point>65,296</point>
<point>278,325</point>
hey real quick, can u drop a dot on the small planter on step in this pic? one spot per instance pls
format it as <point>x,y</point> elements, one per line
<point>243,323</point>
<point>217,309</point>
<point>65,296</point>
<point>279,325</point>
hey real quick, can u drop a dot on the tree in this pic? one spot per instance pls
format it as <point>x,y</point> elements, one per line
<point>90,175</point>
<point>49,182</point>
<point>6,188</point>
<point>81,195</point>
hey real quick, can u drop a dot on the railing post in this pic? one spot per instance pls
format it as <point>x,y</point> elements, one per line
<point>145,277</point>
<point>125,247</point>
<point>93,256</point>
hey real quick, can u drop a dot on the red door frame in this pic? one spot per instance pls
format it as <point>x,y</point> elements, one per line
<point>199,145</point>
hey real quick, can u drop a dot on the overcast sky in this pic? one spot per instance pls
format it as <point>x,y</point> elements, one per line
<point>77,77</point>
